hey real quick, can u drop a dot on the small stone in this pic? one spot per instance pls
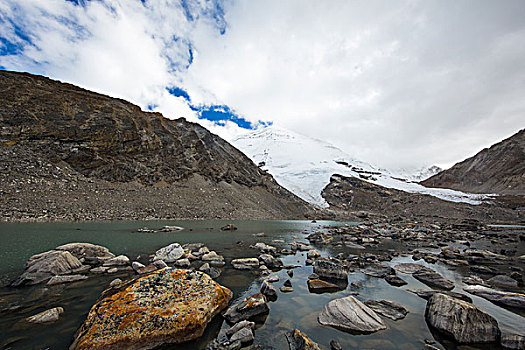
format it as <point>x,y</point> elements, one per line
<point>244,335</point>
<point>136,265</point>
<point>115,283</point>
<point>117,261</point>
<point>160,264</point>
<point>297,340</point>
<point>269,290</point>
<point>334,345</point>
<point>320,286</point>
<point>47,316</point>
<point>395,280</point>
<point>65,279</point>
<point>512,341</point>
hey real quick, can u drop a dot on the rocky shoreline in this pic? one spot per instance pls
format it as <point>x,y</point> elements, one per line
<point>491,261</point>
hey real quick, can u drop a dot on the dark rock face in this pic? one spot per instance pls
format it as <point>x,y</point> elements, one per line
<point>498,169</point>
<point>88,136</point>
<point>349,194</point>
<point>463,321</point>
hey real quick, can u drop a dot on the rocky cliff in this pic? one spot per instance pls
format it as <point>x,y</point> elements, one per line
<point>498,169</point>
<point>68,153</point>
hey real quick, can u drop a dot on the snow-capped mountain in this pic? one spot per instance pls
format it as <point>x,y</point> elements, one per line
<point>304,166</point>
<point>415,174</point>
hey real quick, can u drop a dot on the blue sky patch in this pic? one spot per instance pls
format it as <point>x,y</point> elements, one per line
<point>178,92</point>
<point>220,114</point>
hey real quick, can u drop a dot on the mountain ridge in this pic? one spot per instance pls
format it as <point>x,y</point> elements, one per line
<point>99,142</point>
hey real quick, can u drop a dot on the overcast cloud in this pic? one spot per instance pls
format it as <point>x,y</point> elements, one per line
<point>396,83</point>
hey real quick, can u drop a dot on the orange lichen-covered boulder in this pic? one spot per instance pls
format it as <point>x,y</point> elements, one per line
<point>166,306</point>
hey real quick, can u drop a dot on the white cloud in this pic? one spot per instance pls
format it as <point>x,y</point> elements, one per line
<point>405,83</point>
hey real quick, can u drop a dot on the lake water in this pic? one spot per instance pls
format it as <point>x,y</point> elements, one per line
<point>291,310</point>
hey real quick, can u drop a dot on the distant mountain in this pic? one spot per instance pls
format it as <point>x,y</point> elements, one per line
<point>498,169</point>
<point>415,174</point>
<point>304,166</point>
<point>66,152</point>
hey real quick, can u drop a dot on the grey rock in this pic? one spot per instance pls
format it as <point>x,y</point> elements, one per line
<point>65,279</point>
<point>211,271</point>
<point>99,269</point>
<point>43,266</point>
<point>330,269</point>
<point>512,341</point>
<point>136,265</point>
<point>387,308</point>
<point>269,291</point>
<point>245,263</point>
<point>160,264</point>
<point>502,281</point>
<point>271,261</point>
<point>319,286</point>
<point>516,300</point>
<point>169,253</point>
<point>182,263</point>
<point>378,270</point>
<point>238,326</point>
<point>463,321</point>
<point>395,280</point>
<point>334,345</point>
<point>120,260</point>
<point>249,307</point>
<point>210,256</point>
<point>297,340</point>
<point>433,279</point>
<point>87,252</point>
<point>351,315</point>
<point>408,268</point>
<point>244,335</point>
<point>115,283</point>
<point>48,316</point>
<point>426,294</point>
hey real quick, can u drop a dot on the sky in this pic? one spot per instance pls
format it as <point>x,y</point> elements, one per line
<point>401,83</point>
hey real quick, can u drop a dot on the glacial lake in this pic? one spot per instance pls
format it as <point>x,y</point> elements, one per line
<point>298,309</point>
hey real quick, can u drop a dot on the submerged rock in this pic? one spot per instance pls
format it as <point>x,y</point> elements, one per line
<point>498,297</point>
<point>169,253</point>
<point>378,270</point>
<point>166,306</point>
<point>349,314</point>
<point>463,321</point>
<point>43,266</point>
<point>426,294</point>
<point>433,279</point>
<point>388,309</point>
<point>409,268</point>
<point>249,307</point>
<point>229,227</point>
<point>297,340</point>
<point>47,316</point>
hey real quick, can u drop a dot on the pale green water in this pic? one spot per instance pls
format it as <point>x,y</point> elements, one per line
<point>294,310</point>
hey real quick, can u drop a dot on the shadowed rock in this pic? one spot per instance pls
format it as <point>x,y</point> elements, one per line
<point>319,286</point>
<point>387,308</point>
<point>433,279</point>
<point>330,269</point>
<point>249,307</point>
<point>516,300</point>
<point>463,321</point>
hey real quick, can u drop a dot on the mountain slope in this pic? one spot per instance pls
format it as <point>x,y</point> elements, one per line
<point>305,165</point>
<point>498,169</point>
<point>56,136</point>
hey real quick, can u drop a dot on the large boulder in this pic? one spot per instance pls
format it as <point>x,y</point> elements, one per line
<point>43,266</point>
<point>349,314</point>
<point>169,253</point>
<point>516,300</point>
<point>297,340</point>
<point>87,253</point>
<point>463,321</point>
<point>249,307</point>
<point>270,261</point>
<point>166,306</point>
<point>433,279</point>
<point>330,269</point>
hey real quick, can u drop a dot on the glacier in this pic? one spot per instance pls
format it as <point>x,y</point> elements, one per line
<point>304,165</point>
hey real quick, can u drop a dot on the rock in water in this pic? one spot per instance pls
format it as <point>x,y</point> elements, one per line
<point>395,280</point>
<point>250,306</point>
<point>512,341</point>
<point>330,269</point>
<point>378,270</point>
<point>433,279</point>
<point>43,266</point>
<point>498,297</point>
<point>349,314</point>
<point>65,279</point>
<point>269,291</point>
<point>465,322</point>
<point>319,286</point>
<point>297,340</point>
<point>169,253</point>
<point>47,316</point>
<point>87,252</point>
<point>387,308</point>
<point>166,306</point>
